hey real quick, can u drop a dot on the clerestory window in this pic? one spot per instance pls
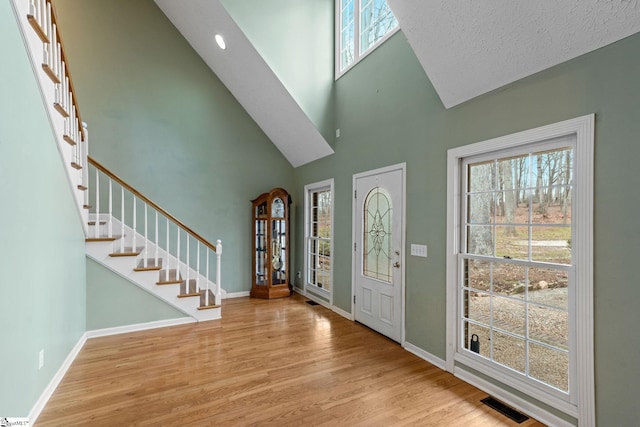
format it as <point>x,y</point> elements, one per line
<point>361,25</point>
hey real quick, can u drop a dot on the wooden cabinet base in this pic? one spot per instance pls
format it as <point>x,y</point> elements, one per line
<point>270,292</point>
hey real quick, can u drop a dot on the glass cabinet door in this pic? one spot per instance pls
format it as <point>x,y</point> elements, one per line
<point>278,252</point>
<point>261,252</point>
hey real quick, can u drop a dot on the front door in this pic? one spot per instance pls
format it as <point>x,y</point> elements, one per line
<point>378,250</point>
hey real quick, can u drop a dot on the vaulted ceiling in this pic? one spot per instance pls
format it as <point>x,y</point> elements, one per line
<point>466,47</point>
<point>470,47</point>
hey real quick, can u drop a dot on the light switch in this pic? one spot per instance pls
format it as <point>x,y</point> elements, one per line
<point>419,250</point>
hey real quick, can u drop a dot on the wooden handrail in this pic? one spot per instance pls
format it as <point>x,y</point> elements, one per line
<point>180,224</point>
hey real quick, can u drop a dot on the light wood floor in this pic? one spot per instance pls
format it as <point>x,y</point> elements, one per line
<point>266,363</point>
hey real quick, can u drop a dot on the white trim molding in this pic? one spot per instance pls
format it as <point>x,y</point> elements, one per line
<point>237,294</point>
<point>327,184</point>
<point>323,303</point>
<point>512,400</point>
<point>139,327</point>
<point>425,355</point>
<point>582,388</point>
<point>55,381</point>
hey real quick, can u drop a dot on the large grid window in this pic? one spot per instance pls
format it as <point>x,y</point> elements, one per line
<point>517,263</point>
<point>319,237</point>
<point>520,275</point>
<point>360,26</point>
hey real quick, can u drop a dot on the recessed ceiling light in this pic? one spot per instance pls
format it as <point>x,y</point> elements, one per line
<point>220,41</point>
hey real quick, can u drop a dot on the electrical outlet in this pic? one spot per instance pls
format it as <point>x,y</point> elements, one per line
<point>419,250</point>
<point>41,359</point>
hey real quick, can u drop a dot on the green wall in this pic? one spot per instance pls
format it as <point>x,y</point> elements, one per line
<point>296,39</point>
<point>388,113</point>
<point>161,120</point>
<point>113,301</point>
<point>42,248</point>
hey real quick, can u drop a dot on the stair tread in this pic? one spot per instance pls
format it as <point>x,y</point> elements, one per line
<point>101,239</point>
<point>172,279</point>
<point>197,294</point>
<point>60,109</point>
<point>208,307</point>
<point>151,265</point>
<point>70,141</point>
<point>94,223</point>
<point>127,251</point>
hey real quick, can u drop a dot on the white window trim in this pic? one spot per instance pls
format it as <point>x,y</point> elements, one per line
<point>309,188</point>
<point>356,47</point>
<point>583,128</point>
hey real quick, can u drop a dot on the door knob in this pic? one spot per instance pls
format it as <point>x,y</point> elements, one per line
<point>396,264</point>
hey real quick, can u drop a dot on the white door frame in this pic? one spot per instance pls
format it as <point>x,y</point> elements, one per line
<point>403,227</point>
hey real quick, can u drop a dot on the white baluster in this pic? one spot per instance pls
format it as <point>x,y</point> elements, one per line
<point>97,227</point>
<point>218,270</point>
<point>42,17</point>
<point>198,267</point>
<point>177,252</point>
<point>46,53</point>
<point>135,222</point>
<point>47,21</point>
<point>206,298</point>
<point>146,236</point>
<point>58,63</point>
<point>54,49</point>
<point>166,271</point>
<point>122,217</point>
<point>85,148</point>
<point>188,263</point>
<point>67,94</point>
<point>32,9</point>
<point>61,97</point>
<point>110,228</point>
<point>157,241</point>
<point>85,169</point>
<point>206,292</point>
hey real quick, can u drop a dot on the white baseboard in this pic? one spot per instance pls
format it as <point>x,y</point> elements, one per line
<point>424,355</point>
<point>53,384</point>
<point>342,313</point>
<point>139,327</point>
<point>323,303</point>
<point>512,400</point>
<point>237,294</point>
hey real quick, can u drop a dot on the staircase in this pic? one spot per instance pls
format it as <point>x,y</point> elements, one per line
<point>135,238</point>
<point>125,231</point>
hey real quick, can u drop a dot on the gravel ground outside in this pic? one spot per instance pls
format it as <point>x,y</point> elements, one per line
<point>546,324</point>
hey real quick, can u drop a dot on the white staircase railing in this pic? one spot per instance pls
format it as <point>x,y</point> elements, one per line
<point>37,22</point>
<point>121,216</point>
<point>139,227</point>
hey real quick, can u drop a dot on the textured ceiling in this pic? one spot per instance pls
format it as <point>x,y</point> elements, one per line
<point>470,47</point>
<point>248,77</point>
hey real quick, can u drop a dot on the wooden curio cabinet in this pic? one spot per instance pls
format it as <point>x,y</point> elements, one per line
<point>271,245</point>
